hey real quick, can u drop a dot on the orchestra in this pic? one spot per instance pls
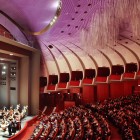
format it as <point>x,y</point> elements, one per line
<point>10,119</point>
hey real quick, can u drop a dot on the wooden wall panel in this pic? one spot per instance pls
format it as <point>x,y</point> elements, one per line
<point>116,89</point>
<point>88,94</point>
<point>102,92</point>
<point>128,85</point>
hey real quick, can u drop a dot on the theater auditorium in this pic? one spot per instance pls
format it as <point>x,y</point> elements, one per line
<point>70,70</point>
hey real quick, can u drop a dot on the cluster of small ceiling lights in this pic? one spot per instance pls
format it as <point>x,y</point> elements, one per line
<point>53,20</point>
<point>58,4</point>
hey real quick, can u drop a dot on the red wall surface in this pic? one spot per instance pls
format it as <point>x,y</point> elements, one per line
<point>116,89</point>
<point>88,94</point>
<point>128,86</point>
<point>102,91</point>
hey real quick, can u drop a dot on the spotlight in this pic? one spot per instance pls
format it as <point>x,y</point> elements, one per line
<point>50,46</point>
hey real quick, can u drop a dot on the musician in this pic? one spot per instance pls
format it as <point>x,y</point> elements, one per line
<point>17,115</point>
<point>24,111</point>
<point>17,121</point>
<point>10,127</point>
<point>4,108</point>
<point>11,111</point>
<point>1,114</point>
<point>18,107</point>
<point>3,125</point>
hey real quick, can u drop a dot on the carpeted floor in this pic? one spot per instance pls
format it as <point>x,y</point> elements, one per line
<point>114,133</point>
<point>28,133</point>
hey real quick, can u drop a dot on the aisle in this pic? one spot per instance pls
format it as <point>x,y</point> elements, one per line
<point>114,133</point>
<point>29,130</point>
<point>28,133</point>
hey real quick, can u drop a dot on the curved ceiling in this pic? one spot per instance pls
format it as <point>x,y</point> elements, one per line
<point>61,41</point>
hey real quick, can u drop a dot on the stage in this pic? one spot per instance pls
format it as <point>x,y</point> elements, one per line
<point>5,135</point>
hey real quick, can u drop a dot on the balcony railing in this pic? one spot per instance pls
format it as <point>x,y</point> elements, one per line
<point>16,38</point>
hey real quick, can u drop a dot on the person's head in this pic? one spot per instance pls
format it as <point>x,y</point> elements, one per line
<point>2,122</point>
<point>10,119</point>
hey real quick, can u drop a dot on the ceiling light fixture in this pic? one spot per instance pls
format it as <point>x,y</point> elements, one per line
<point>58,5</point>
<point>55,4</point>
<point>50,46</point>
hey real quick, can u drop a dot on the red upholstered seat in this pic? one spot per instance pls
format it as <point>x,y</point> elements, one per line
<point>101,79</point>
<point>129,75</point>
<point>74,83</point>
<point>51,87</point>
<point>62,85</point>
<point>138,73</point>
<point>114,77</point>
<point>87,81</point>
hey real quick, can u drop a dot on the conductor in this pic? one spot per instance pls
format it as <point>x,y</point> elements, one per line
<point>11,127</point>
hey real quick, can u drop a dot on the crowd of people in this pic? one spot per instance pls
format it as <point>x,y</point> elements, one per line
<point>74,123</point>
<point>123,113</point>
<point>92,121</point>
<point>10,118</point>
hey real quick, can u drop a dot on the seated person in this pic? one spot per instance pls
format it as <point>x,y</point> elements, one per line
<point>3,126</point>
<point>12,126</point>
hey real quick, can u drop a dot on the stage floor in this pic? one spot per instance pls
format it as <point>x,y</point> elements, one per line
<point>22,125</point>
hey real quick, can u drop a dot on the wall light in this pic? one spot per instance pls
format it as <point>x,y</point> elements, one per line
<point>3,72</point>
<point>4,67</point>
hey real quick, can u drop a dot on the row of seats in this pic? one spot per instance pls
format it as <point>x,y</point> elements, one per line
<point>92,121</point>
<point>74,123</point>
<point>123,113</point>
